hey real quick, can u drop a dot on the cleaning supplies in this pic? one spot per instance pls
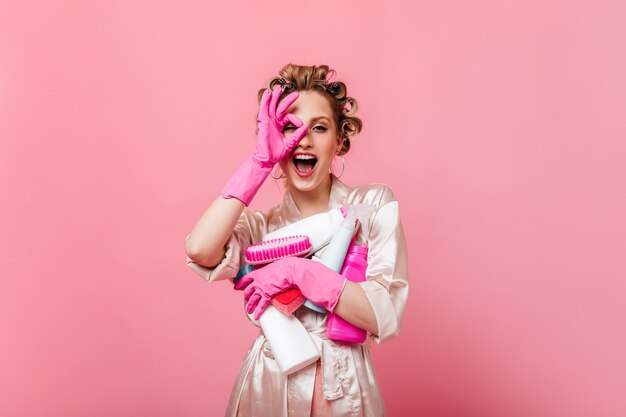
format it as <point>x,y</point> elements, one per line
<point>286,334</point>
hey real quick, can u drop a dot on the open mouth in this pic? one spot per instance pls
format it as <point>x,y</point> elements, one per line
<point>304,163</point>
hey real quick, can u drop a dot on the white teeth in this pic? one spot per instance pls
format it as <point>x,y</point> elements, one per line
<point>304,157</point>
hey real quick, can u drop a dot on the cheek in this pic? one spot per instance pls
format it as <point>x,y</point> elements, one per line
<point>328,158</point>
<point>330,148</point>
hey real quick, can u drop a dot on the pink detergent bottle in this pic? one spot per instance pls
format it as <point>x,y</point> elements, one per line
<point>354,269</point>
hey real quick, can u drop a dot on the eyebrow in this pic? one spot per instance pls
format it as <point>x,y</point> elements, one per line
<point>320,117</point>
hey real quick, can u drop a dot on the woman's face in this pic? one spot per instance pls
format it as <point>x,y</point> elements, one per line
<point>307,166</point>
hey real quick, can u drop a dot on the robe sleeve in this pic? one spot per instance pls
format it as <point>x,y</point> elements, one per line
<point>234,252</point>
<point>387,286</point>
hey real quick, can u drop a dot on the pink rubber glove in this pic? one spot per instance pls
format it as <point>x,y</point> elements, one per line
<point>271,146</point>
<point>316,281</point>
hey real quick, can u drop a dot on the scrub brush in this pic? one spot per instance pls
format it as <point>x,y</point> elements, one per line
<point>272,250</point>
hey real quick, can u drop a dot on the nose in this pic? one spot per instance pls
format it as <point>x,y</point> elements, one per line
<point>306,141</point>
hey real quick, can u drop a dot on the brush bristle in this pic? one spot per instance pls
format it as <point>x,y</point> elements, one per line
<point>274,249</point>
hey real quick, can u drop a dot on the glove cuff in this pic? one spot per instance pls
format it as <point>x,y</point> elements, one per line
<point>333,300</point>
<point>246,181</point>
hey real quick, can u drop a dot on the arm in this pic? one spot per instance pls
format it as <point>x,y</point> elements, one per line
<point>354,307</point>
<point>207,240</point>
<point>206,243</point>
<point>387,285</point>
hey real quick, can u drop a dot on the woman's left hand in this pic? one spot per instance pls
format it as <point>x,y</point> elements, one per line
<point>317,282</point>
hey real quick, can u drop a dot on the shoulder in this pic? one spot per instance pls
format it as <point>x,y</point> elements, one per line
<point>376,194</point>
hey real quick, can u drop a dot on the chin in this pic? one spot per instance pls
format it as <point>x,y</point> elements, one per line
<point>306,184</point>
<point>300,184</point>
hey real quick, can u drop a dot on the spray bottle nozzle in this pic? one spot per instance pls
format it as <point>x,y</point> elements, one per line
<point>360,212</point>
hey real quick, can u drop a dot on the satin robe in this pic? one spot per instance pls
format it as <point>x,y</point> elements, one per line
<point>348,376</point>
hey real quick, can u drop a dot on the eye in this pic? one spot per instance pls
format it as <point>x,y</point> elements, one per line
<point>289,127</point>
<point>323,128</point>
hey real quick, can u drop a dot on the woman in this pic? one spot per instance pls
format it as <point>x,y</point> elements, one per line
<point>305,122</point>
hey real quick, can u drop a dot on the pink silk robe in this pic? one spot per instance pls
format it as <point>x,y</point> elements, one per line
<point>348,376</point>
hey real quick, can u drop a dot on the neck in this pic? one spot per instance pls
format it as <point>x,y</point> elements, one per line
<point>314,201</point>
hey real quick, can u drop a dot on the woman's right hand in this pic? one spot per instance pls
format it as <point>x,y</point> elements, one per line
<point>271,145</point>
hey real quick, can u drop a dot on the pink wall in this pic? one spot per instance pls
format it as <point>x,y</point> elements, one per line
<point>499,124</point>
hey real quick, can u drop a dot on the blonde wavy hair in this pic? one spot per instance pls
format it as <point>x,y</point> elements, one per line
<point>320,78</point>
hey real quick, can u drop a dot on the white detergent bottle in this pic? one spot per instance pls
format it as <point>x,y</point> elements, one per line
<point>319,228</point>
<point>290,343</point>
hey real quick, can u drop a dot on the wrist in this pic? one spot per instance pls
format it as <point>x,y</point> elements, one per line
<point>319,283</point>
<point>263,163</point>
<point>334,300</point>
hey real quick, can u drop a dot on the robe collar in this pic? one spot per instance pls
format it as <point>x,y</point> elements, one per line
<point>338,197</point>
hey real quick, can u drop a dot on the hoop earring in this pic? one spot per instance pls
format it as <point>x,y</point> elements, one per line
<point>343,166</point>
<point>281,176</point>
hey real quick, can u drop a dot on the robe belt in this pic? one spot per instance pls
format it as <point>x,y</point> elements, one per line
<point>334,365</point>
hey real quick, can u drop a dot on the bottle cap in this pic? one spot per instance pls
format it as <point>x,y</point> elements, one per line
<point>358,249</point>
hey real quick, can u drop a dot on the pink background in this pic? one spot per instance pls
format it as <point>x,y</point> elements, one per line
<point>500,125</point>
